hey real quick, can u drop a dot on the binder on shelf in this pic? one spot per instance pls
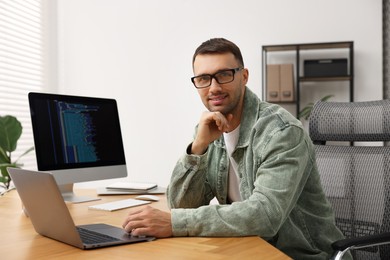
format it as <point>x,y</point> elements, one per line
<point>280,82</point>
<point>286,83</point>
<point>273,82</point>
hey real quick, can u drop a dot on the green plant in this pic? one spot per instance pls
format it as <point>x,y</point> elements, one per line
<point>10,132</point>
<point>306,111</point>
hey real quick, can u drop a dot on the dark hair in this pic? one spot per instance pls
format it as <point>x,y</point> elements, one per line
<point>219,46</point>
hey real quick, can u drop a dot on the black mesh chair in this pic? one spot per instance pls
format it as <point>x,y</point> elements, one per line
<point>354,165</point>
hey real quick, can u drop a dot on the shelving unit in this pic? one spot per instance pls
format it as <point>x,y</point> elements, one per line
<point>299,78</point>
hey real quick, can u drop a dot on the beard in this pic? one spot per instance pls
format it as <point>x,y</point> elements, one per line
<point>230,105</point>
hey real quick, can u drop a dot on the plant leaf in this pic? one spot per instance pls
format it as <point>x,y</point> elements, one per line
<point>305,112</point>
<point>5,178</point>
<point>10,131</point>
<point>4,158</point>
<point>326,97</point>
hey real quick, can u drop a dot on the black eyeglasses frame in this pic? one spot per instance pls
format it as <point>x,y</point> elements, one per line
<point>213,76</point>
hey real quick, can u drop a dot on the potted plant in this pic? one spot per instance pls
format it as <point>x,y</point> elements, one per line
<point>10,132</point>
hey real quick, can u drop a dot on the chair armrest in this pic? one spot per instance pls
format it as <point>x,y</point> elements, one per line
<point>360,242</point>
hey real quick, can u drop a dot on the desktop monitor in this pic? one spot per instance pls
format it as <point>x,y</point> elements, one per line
<point>77,139</point>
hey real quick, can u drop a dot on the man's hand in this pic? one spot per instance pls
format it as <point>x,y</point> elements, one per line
<point>211,126</point>
<point>148,221</point>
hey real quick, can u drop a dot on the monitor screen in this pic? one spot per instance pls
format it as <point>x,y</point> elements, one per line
<point>77,138</point>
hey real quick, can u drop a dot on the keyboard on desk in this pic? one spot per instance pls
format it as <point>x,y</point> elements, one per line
<point>119,204</point>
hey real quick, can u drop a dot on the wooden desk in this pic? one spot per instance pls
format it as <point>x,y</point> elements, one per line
<point>18,239</point>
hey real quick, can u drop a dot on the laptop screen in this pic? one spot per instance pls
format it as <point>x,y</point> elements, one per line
<point>75,132</point>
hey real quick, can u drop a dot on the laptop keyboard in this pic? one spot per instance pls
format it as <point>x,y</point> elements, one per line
<point>91,237</point>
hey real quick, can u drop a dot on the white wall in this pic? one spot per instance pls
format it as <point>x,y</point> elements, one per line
<point>139,52</point>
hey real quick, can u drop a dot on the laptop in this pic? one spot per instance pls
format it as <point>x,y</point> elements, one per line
<point>51,218</point>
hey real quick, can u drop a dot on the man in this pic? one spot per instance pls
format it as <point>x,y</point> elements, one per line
<point>254,157</point>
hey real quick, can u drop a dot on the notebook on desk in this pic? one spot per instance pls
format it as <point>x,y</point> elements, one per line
<point>106,191</point>
<point>51,218</point>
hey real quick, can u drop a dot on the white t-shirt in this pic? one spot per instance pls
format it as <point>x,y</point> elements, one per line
<point>231,140</point>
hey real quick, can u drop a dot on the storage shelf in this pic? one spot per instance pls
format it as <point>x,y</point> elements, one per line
<point>297,50</point>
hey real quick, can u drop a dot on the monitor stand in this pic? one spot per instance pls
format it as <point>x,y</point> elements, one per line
<point>69,196</point>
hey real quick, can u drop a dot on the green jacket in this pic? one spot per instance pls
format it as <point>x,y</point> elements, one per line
<point>283,201</point>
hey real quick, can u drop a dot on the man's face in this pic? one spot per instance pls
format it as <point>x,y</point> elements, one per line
<point>226,98</point>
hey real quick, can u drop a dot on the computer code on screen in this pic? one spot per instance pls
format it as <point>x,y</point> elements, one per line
<point>76,132</point>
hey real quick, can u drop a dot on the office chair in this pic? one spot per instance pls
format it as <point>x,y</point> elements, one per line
<point>354,166</point>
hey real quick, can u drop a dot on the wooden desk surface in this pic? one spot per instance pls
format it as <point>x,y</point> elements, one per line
<point>18,239</point>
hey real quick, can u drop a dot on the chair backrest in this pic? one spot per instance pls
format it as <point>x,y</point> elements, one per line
<point>355,175</point>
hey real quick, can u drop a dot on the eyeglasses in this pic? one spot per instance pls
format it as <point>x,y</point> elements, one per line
<point>222,77</point>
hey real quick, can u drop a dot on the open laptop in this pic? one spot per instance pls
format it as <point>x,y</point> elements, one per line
<point>51,218</point>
